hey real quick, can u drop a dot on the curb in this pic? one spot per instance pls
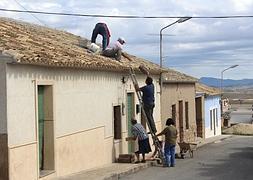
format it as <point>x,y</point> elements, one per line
<point>214,140</point>
<point>118,175</point>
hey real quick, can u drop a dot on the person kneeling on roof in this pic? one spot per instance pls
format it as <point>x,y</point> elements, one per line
<point>115,50</point>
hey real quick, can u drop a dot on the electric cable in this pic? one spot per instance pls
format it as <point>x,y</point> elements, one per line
<point>30,13</point>
<point>126,16</point>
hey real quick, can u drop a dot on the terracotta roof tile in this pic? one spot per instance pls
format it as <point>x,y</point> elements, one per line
<point>37,45</point>
<point>207,89</point>
<point>175,76</point>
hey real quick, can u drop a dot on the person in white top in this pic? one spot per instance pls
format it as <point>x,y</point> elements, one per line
<point>115,50</point>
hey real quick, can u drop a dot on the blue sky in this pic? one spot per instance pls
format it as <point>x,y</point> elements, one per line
<point>198,47</point>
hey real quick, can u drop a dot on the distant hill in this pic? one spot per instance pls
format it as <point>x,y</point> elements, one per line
<point>214,82</point>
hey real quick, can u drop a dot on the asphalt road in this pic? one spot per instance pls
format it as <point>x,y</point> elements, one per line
<point>241,114</point>
<point>230,159</point>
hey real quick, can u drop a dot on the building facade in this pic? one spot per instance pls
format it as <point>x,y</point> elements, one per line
<point>208,111</point>
<point>212,116</point>
<point>63,110</point>
<point>178,103</point>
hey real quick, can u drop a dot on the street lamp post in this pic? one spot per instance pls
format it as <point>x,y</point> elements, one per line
<point>221,82</point>
<point>181,20</point>
<point>221,86</point>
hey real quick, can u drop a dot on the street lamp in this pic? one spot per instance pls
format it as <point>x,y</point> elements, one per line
<point>181,20</point>
<point>221,86</point>
<point>221,82</point>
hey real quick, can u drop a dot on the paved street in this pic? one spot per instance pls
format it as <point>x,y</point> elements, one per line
<point>242,113</point>
<point>230,159</point>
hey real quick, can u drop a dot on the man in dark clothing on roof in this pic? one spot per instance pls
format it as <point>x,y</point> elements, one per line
<point>149,101</point>
<point>102,29</point>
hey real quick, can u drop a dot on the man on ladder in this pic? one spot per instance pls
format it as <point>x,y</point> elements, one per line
<point>148,101</point>
<point>150,93</point>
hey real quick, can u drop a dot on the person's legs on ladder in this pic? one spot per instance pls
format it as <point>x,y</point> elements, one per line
<point>149,113</point>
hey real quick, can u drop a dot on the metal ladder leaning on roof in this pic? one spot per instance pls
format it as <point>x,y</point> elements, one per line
<point>153,135</point>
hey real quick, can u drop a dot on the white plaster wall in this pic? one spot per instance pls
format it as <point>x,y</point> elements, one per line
<point>210,104</point>
<point>88,99</point>
<point>3,121</point>
<point>82,100</point>
<point>210,133</point>
<point>83,103</point>
<point>20,106</point>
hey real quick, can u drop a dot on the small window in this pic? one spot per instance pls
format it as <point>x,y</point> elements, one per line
<point>117,122</point>
<point>187,115</point>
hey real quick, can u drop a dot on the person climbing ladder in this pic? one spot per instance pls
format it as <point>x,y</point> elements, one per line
<point>149,101</point>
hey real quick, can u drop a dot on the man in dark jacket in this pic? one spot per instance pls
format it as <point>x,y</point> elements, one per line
<point>102,29</point>
<point>149,101</point>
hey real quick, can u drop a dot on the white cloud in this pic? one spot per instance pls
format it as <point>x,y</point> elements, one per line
<point>243,5</point>
<point>197,42</point>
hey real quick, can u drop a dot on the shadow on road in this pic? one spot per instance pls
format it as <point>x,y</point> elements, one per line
<point>238,166</point>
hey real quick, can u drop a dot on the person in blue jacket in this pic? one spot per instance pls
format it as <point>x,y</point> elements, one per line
<point>148,101</point>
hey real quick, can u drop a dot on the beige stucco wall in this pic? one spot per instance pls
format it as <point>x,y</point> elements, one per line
<point>80,151</point>
<point>23,162</point>
<point>172,93</point>
<point>83,116</point>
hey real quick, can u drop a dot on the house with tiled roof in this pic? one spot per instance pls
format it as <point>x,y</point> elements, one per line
<point>208,111</point>
<point>178,102</point>
<point>63,109</point>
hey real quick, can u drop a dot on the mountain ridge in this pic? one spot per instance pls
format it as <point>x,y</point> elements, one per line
<point>216,82</point>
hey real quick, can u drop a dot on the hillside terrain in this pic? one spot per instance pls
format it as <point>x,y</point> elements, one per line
<point>216,82</point>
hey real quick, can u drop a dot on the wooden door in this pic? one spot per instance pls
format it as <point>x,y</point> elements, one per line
<point>181,122</point>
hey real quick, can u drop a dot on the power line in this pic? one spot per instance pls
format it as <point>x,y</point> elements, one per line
<point>125,16</point>
<point>205,65</point>
<point>30,13</point>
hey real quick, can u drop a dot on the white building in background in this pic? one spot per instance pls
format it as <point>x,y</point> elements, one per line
<point>208,111</point>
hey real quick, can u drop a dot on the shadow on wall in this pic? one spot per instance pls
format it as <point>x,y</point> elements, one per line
<point>237,166</point>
